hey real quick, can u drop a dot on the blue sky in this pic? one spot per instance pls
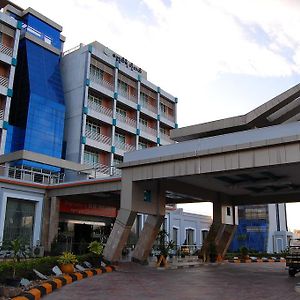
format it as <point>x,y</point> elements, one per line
<point>220,58</point>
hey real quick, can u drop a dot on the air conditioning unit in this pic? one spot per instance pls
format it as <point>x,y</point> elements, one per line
<point>38,251</point>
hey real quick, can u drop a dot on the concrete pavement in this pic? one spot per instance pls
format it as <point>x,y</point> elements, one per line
<point>208,282</point>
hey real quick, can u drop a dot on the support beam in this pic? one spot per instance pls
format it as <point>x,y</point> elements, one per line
<point>53,221</point>
<point>147,238</point>
<point>119,235</point>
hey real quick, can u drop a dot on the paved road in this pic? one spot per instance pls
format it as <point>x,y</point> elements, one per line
<point>211,282</point>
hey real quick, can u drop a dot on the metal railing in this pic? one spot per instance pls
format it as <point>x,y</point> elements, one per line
<point>100,170</point>
<point>125,119</point>
<point>3,81</point>
<point>102,82</point>
<point>32,174</point>
<point>167,116</point>
<point>165,137</point>
<point>150,107</point>
<point>98,137</point>
<point>147,129</point>
<point>127,95</point>
<point>124,146</point>
<point>6,50</point>
<point>40,35</point>
<point>1,114</point>
<point>99,108</point>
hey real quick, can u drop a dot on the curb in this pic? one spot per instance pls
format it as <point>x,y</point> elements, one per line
<point>238,261</point>
<point>49,286</point>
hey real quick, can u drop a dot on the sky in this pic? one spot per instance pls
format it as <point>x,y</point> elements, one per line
<point>220,58</point>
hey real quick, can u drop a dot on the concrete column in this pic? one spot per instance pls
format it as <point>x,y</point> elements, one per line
<point>217,212</point>
<point>147,238</point>
<point>119,235</point>
<point>53,222</point>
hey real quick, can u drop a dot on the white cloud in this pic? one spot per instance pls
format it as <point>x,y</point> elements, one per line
<point>189,43</point>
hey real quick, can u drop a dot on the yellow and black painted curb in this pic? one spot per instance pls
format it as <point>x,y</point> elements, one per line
<point>238,261</point>
<point>49,286</point>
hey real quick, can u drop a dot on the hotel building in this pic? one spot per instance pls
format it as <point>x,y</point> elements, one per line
<point>111,108</point>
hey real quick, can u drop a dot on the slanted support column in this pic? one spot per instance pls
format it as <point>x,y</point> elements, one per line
<point>119,235</point>
<point>50,222</point>
<point>147,238</point>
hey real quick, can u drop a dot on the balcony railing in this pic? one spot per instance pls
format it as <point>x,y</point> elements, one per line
<point>99,108</point>
<point>167,116</point>
<point>102,170</point>
<point>33,175</point>
<point>6,50</point>
<point>127,95</point>
<point>102,82</point>
<point>165,137</point>
<point>147,129</point>
<point>1,114</point>
<point>150,107</point>
<point>98,137</point>
<point>124,146</point>
<point>4,81</point>
<point>127,120</point>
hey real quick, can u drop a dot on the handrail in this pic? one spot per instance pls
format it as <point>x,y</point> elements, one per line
<point>147,129</point>
<point>6,50</point>
<point>98,137</point>
<point>1,114</point>
<point>102,82</point>
<point>99,108</point>
<point>3,81</point>
<point>124,146</point>
<point>125,119</point>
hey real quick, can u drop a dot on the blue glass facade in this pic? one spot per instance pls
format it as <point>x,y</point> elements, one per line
<point>253,228</point>
<point>37,109</point>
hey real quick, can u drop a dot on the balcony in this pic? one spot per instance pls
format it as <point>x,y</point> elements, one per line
<point>127,95</point>
<point>148,130</point>
<point>33,175</point>
<point>126,120</point>
<point>102,82</point>
<point>124,146</point>
<point>99,108</point>
<point>100,170</point>
<point>98,137</point>
<point>150,107</point>
<point>6,50</point>
<point>3,81</point>
<point>167,116</point>
<point>166,138</point>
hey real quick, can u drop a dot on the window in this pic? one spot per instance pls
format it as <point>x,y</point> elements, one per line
<point>19,220</point>
<point>93,127</point>
<point>228,211</point>
<point>144,122</point>
<point>189,236</point>
<point>204,235</point>
<point>123,87</point>
<point>142,145</point>
<point>144,99</point>
<point>91,157</point>
<point>119,138</point>
<point>96,73</point>
<point>175,236</point>
<point>118,160</point>
<point>164,131</point>
<point>121,112</point>
<point>94,99</point>
<point>163,108</point>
